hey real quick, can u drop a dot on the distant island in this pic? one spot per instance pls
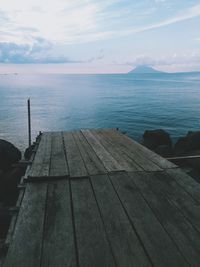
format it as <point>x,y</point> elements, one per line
<point>144,69</point>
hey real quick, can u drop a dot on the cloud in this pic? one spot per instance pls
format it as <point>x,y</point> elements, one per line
<point>191,58</point>
<point>99,57</point>
<point>29,30</point>
<point>80,21</point>
<point>3,17</point>
<point>62,22</point>
<point>189,13</point>
<point>25,53</point>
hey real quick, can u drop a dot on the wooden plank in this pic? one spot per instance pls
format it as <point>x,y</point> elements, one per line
<point>58,166</point>
<point>92,243</point>
<point>118,154</point>
<point>92,162</point>
<point>159,246</point>
<point>108,161</point>
<point>126,246</point>
<point>26,246</point>
<point>175,193</point>
<point>187,182</point>
<point>41,163</point>
<point>58,242</point>
<point>43,159</point>
<point>145,152</point>
<point>74,159</point>
<point>181,231</point>
<point>127,146</point>
<point>160,161</point>
<point>11,229</point>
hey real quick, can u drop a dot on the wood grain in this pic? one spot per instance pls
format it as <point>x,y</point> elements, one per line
<point>74,159</point>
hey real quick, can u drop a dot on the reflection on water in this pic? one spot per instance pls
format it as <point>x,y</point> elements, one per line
<point>131,102</point>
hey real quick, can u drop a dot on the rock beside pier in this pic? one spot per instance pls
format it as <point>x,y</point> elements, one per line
<point>9,181</point>
<point>189,145</point>
<point>158,140</point>
<point>190,142</point>
<point>9,154</point>
<point>10,176</point>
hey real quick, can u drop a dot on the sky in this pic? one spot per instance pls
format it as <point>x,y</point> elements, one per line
<point>99,36</point>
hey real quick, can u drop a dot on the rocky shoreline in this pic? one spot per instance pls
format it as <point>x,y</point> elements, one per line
<point>189,145</point>
<point>10,176</point>
<point>160,141</point>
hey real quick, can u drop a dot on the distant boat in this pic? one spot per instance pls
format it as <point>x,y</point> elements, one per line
<point>144,69</point>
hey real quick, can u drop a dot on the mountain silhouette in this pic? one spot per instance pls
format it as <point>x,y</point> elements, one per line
<point>144,69</point>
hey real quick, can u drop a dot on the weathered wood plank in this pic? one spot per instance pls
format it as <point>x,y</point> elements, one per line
<point>145,152</point>
<point>181,231</point>
<point>108,161</point>
<point>26,246</point>
<point>58,242</point>
<point>127,249</point>
<point>44,171</point>
<point>131,150</point>
<point>93,247</point>
<point>186,182</point>
<point>92,162</point>
<point>117,153</point>
<point>74,159</point>
<point>159,246</point>
<point>160,161</point>
<point>58,167</point>
<point>41,163</point>
<point>184,201</point>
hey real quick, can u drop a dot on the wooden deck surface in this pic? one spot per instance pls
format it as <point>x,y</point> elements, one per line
<point>97,198</point>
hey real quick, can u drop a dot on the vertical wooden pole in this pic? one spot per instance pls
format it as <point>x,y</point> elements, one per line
<point>29,124</point>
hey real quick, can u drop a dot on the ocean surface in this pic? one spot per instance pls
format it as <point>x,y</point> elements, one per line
<point>131,102</point>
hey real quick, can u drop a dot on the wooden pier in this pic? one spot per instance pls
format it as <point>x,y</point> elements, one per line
<point>98,198</point>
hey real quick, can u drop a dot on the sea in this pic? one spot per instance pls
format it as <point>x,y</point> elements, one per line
<point>131,102</point>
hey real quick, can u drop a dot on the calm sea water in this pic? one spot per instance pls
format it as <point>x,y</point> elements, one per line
<point>130,102</point>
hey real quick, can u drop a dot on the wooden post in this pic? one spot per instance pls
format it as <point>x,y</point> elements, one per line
<point>29,124</point>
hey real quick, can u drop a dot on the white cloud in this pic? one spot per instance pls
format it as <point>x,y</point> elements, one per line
<point>181,59</point>
<point>57,21</point>
<point>75,21</point>
<point>182,16</point>
<point>64,22</point>
<point>35,30</point>
<point>35,53</point>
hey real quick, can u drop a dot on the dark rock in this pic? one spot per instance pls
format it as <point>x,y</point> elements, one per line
<point>181,146</point>
<point>193,140</point>
<point>164,151</point>
<point>9,154</point>
<point>155,138</point>
<point>8,185</point>
<point>188,143</point>
<point>4,221</point>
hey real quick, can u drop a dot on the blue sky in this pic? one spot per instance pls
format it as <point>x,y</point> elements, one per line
<point>91,36</point>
